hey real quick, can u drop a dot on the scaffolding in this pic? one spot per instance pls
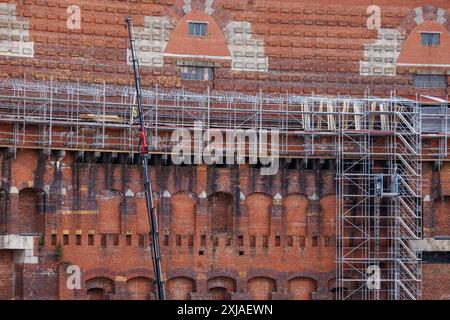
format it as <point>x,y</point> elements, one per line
<point>376,142</point>
<point>74,116</point>
<point>379,207</point>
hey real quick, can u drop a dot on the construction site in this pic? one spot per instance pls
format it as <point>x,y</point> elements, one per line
<point>96,204</point>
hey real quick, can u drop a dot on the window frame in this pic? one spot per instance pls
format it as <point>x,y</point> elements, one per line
<point>197,29</point>
<point>435,38</point>
<point>197,73</point>
<point>430,81</point>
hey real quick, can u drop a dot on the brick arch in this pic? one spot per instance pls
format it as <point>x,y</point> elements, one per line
<point>140,288</point>
<point>110,204</point>
<point>220,15</point>
<point>221,208</point>
<point>413,53</point>
<point>180,288</point>
<point>333,287</point>
<point>259,207</point>
<point>423,14</point>
<point>221,287</point>
<point>99,288</point>
<point>31,211</point>
<point>101,273</point>
<point>139,272</point>
<point>211,45</point>
<point>295,207</point>
<point>261,288</point>
<point>302,288</point>
<point>183,205</point>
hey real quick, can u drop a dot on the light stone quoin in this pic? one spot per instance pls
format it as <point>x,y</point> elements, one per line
<point>14,33</point>
<point>151,41</point>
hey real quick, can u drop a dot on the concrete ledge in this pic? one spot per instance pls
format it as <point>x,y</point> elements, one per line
<point>23,247</point>
<point>430,244</point>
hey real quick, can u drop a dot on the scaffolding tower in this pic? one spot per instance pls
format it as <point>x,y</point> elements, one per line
<point>379,205</point>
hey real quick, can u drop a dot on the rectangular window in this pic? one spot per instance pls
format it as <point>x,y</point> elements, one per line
<point>436,257</point>
<point>277,241</point>
<point>78,239</point>
<point>198,29</point>
<point>240,241</point>
<point>197,73</point>
<point>315,241</point>
<point>166,240</point>
<point>430,81</point>
<point>430,39</point>
<point>128,240</point>
<point>90,239</point>
<point>66,239</point>
<point>178,240</point>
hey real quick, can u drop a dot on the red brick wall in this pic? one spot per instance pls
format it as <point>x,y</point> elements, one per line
<point>88,206</point>
<point>180,288</point>
<point>6,275</point>
<point>436,285</point>
<point>261,288</point>
<point>311,46</point>
<point>30,211</point>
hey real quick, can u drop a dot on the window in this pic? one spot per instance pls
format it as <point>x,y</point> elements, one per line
<point>315,241</point>
<point>90,239</point>
<point>78,239</point>
<point>198,29</point>
<point>178,240</point>
<point>277,241</point>
<point>128,240</point>
<point>430,81</point>
<point>240,241</point>
<point>66,240</point>
<point>197,73</point>
<point>430,39</point>
<point>437,257</point>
